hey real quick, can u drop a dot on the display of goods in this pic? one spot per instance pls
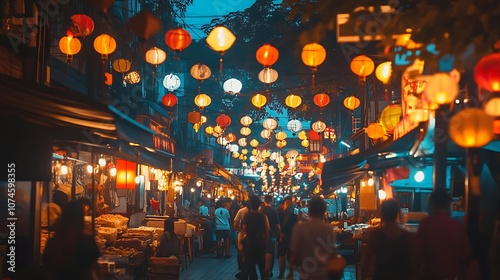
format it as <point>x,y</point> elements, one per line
<point>144,236</point>
<point>113,220</point>
<point>155,232</point>
<point>130,243</point>
<point>108,233</point>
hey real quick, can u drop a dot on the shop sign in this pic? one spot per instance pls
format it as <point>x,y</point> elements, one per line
<point>162,143</point>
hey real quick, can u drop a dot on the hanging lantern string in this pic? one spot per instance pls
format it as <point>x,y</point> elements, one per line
<point>313,77</point>
<point>220,66</point>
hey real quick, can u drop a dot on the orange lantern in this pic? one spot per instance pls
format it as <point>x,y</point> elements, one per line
<point>125,174</point>
<point>194,117</point>
<point>223,121</point>
<point>321,100</point>
<point>209,130</point>
<point>391,116</point>
<point>471,128</point>
<point>230,137</point>
<point>200,72</point>
<point>177,39</point>
<point>351,102</point>
<point>362,66</point>
<point>105,45</point>
<point>487,72</point>
<point>314,136</point>
<point>202,100</point>
<point>69,46</point>
<point>293,101</point>
<point>169,99</point>
<point>375,131</point>
<point>155,56</point>
<point>267,55</point>
<point>259,100</point>
<point>122,65</point>
<point>313,55</point>
<point>81,25</point>
<point>220,39</point>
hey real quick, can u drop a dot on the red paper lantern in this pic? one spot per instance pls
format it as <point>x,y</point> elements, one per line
<point>230,137</point>
<point>321,100</point>
<point>125,174</point>
<point>313,135</point>
<point>81,25</point>
<point>267,55</point>
<point>487,72</point>
<point>223,120</point>
<point>177,39</point>
<point>169,99</point>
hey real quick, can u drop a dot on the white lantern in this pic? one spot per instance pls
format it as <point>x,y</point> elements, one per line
<point>246,121</point>
<point>171,82</point>
<point>222,141</point>
<point>294,126</point>
<point>318,126</point>
<point>233,148</point>
<point>242,142</point>
<point>155,56</point>
<point>232,86</point>
<point>270,124</point>
<point>268,75</point>
<point>253,158</point>
<point>245,131</point>
<point>266,134</point>
<point>273,156</point>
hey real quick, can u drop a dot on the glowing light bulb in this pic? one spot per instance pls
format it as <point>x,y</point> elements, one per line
<point>90,169</point>
<point>370,182</point>
<point>419,176</point>
<point>102,162</point>
<point>112,171</point>
<point>381,194</point>
<point>64,169</point>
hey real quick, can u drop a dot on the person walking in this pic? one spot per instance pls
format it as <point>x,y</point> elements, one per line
<point>444,243</point>
<point>313,243</point>
<point>223,229</point>
<point>256,231</point>
<point>238,226</point>
<point>389,248</point>
<point>274,232</point>
<point>288,219</point>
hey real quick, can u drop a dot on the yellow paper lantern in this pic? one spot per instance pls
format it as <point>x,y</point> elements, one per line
<point>266,134</point>
<point>259,100</point>
<point>318,126</point>
<point>245,131</point>
<point>254,143</point>
<point>132,77</point>
<point>244,151</point>
<point>471,128</point>
<point>375,131</point>
<point>293,101</point>
<point>351,102</point>
<point>302,135</point>
<point>70,45</point>
<point>362,66</point>
<point>270,124</point>
<point>242,142</point>
<point>155,56</point>
<point>202,100</point>
<point>391,116</point>
<point>220,39</point>
<point>218,129</point>
<point>121,65</point>
<point>313,55</point>
<point>441,89</point>
<point>305,143</point>
<point>209,130</point>
<point>196,126</point>
<point>236,155</point>
<point>105,45</point>
<point>492,107</point>
<point>383,72</point>
<point>280,136</point>
<point>280,144</point>
<point>246,121</point>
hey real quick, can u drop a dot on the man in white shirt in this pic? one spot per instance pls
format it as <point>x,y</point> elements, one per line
<point>238,225</point>
<point>223,227</point>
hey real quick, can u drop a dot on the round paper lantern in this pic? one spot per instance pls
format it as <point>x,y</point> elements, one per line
<point>441,89</point>
<point>242,142</point>
<point>155,56</point>
<point>223,120</point>
<point>351,102</point>
<point>203,119</point>
<point>202,100</point>
<point>232,86</point>
<point>177,39</point>
<point>313,55</point>
<point>194,117</point>
<point>267,55</point>
<point>492,107</point>
<point>222,141</point>
<point>218,129</point>
<point>169,99</point>
<point>196,126</point>
<point>383,72</point>
<point>292,153</point>
<point>391,116</point>
<point>81,25</point>
<point>294,126</point>
<point>245,131</point>
<point>200,72</point>
<point>70,45</point>
<point>375,131</point>
<point>293,101</point>
<point>259,100</point>
<point>233,148</point>
<point>254,143</point>
<point>302,135</point>
<point>362,66</point>
<point>132,78</point>
<point>236,155</point>
<point>230,137</point>
<point>122,65</point>
<point>280,136</point>
<point>209,130</point>
<point>487,72</point>
<point>244,151</point>
<point>321,100</point>
<point>246,121</point>
<point>318,126</point>
<point>314,136</point>
<point>280,144</point>
<point>104,45</point>
<point>220,39</point>
<point>304,143</point>
<point>171,82</point>
<point>266,134</point>
<point>270,124</point>
<point>471,128</point>
<point>268,75</point>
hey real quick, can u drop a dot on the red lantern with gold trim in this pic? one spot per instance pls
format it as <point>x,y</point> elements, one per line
<point>223,120</point>
<point>177,39</point>
<point>169,99</point>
